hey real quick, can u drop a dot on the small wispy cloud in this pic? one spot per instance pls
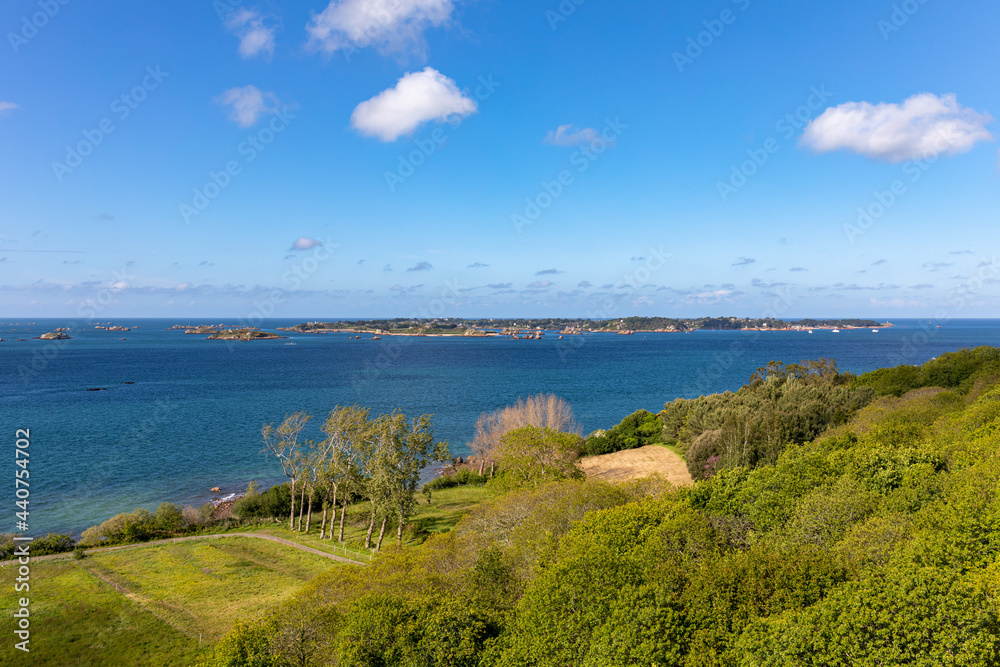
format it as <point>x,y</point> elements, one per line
<point>879,262</point>
<point>395,26</point>
<point>420,266</point>
<point>248,104</point>
<point>540,284</point>
<point>501,285</point>
<point>548,272</point>
<point>584,284</point>
<point>477,265</point>
<point>937,266</point>
<point>566,135</point>
<point>387,268</point>
<point>305,243</point>
<point>255,37</point>
<point>744,261</point>
<point>7,106</point>
<point>798,269</point>
<point>922,286</point>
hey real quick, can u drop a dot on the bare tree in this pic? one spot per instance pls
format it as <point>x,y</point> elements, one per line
<point>282,442</point>
<point>541,410</point>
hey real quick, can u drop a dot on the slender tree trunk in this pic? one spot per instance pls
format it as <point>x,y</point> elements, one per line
<point>343,513</point>
<point>371,527</point>
<point>381,534</point>
<point>491,468</point>
<point>333,519</point>
<point>291,517</point>
<point>482,464</point>
<point>302,501</point>
<point>322,525</point>
<point>399,529</point>
<point>309,514</point>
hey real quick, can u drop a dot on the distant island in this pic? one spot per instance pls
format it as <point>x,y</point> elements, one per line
<point>58,334</point>
<point>243,334</point>
<point>535,328</point>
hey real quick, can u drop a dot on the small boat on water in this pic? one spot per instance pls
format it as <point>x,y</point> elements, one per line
<point>874,330</point>
<point>836,331</point>
<point>291,343</point>
<point>810,331</point>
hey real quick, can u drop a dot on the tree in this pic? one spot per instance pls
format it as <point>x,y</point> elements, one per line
<point>531,455</point>
<point>541,410</point>
<point>345,428</point>
<point>402,449</point>
<point>282,442</point>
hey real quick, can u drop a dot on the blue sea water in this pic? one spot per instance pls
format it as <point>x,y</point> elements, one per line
<point>191,417</point>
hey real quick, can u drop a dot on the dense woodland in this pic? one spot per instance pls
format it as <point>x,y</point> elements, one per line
<point>837,520</point>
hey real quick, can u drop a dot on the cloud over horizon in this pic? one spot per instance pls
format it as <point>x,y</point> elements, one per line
<point>417,98</point>
<point>923,126</point>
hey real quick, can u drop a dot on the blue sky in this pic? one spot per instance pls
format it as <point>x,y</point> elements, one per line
<point>362,158</point>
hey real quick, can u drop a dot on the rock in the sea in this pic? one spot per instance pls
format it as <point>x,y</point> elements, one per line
<point>215,489</point>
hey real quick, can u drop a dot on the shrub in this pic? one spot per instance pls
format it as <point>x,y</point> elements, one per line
<point>135,526</point>
<point>169,518</point>
<point>700,455</point>
<point>275,502</point>
<point>464,477</point>
<point>639,429</point>
<point>53,543</point>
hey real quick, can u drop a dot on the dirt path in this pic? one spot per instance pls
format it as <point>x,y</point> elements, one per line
<point>638,463</point>
<point>258,536</point>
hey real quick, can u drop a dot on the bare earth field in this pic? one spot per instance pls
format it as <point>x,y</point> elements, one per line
<point>637,463</point>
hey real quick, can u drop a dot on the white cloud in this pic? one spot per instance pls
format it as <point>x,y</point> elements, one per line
<point>565,135</point>
<point>417,98</point>
<point>306,243</point>
<point>391,26</point>
<point>248,103</point>
<point>923,126</point>
<point>8,106</point>
<point>255,37</point>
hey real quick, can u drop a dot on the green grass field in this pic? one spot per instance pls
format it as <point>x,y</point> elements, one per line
<point>195,588</point>
<point>178,592</point>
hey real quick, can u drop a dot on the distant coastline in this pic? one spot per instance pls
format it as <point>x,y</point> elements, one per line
<point>537,328</point>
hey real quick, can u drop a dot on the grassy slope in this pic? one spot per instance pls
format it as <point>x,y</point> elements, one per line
<point>198,587</point>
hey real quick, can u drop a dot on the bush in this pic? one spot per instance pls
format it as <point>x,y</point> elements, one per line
<point>136,526</point>
<point>703,455</point>
<point>639,429</point>
<point>276,502</point>
<point>169,518</point>
<point>79,553</point>
<point>464,477</point>
<point>53,543</point>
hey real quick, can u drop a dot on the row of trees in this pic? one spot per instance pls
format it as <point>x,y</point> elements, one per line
<point>377,460</point>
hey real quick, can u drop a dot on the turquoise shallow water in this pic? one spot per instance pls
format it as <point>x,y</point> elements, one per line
<point>192,418</point>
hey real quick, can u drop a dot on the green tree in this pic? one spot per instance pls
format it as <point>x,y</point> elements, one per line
<point>531,455</point>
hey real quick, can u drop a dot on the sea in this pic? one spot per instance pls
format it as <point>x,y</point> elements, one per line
<point>119,420</point>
